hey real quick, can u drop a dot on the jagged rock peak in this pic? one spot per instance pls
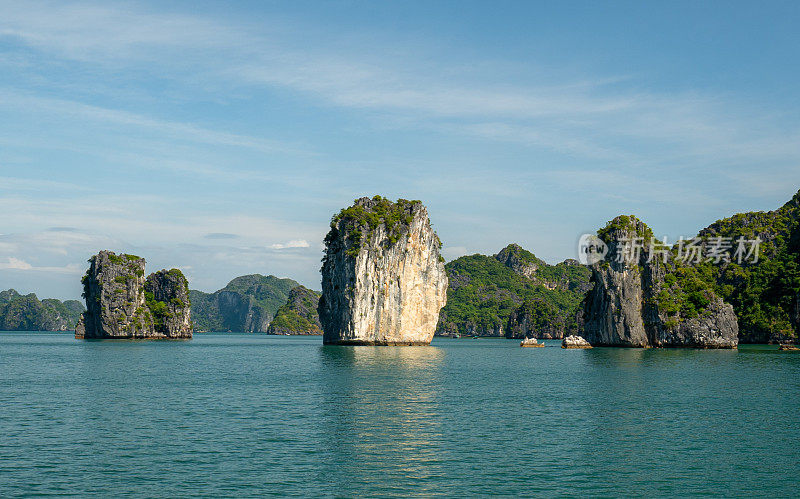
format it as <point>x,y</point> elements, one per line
<point>122,303</point>
<point>383,279</point>
<point>625,226</point>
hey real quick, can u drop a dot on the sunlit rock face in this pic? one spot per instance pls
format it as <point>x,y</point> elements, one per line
<point>383,280</point>
<point>122,303</point>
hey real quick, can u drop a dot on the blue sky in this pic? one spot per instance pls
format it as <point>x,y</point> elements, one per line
<point>220,137</point>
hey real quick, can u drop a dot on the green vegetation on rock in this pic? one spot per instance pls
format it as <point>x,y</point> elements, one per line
<point>158,309</point>
<point>298,315</point>
<point>766,294</point>
<point>626,223</point>
<point>359,221</point>
<point>686,292</point>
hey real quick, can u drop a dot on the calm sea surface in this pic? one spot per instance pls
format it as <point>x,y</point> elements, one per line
<point>248,415</point>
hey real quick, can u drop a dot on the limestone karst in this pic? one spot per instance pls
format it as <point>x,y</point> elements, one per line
<point>122,303</point>
<point>383,280</point>
<point>247,304</point>
<point>646,301</point>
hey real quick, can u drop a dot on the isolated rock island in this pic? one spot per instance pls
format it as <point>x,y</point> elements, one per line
<point>383,279</point>
<point>122,303</point>
<point>645,301</point>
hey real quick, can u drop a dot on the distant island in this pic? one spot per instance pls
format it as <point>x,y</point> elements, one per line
<point>26,313</point>
<point>298,315</point>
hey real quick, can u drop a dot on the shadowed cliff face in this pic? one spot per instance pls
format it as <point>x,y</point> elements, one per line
<point>383,281</point>
<point>121,303</point>
<point>536,318</point>
<point>115,304</point>
<point>167,297</point>
<point>630,304</point>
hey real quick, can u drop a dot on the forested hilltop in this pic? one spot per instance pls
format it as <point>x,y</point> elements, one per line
<point>26,313</point>
<point>514,294</point>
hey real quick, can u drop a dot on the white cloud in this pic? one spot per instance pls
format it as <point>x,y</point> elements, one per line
<point>294,243</point>
<point>16,264</point>
<point>637,136</point>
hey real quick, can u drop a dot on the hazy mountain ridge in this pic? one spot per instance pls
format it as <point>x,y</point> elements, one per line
<point>246,304</point>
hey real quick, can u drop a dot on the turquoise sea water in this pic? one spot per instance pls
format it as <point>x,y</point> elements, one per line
<point>250,415</point>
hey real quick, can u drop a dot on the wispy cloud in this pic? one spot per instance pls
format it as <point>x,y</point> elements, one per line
<point>197,105</point>
<point>595,118</point>
<point>89,31</point>
<point>176,130</point>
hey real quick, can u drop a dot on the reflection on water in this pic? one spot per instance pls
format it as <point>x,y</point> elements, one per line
<point>417,357</point>
<point>382,412</point>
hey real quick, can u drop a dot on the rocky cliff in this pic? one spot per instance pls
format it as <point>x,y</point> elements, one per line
<point>298,315</point>
<point>646,302</point>
<point>26,313</point>
<point>167,297</point>
<point>536,318</point>
<point>247,304</point>
<point>122,303</point>
<point>383,280</point>
<point>519,260</point>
